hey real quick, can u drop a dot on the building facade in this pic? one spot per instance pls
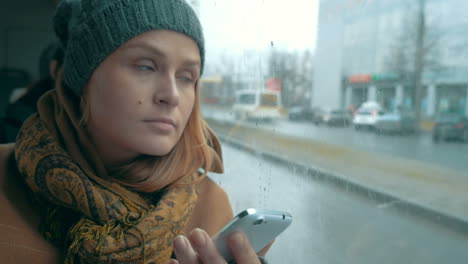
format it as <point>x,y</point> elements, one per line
<point>365,52</point>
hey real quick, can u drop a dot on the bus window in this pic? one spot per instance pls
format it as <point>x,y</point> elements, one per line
<point>247,99</point>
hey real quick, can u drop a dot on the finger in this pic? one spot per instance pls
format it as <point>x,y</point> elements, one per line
<point>207,252</point>
<point>173,261</point>
<point>265,249</point>
<point>241,249</point>
<point>184,251</point>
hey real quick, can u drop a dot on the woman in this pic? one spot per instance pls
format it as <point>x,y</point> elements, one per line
<point>113,167</point>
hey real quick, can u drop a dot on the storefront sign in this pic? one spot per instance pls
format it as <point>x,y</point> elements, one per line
<point>384,77</point>
<point>274,84</point>
<point>360,78</point>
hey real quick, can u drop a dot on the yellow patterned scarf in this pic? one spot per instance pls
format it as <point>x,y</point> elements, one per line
<point>107,223</point>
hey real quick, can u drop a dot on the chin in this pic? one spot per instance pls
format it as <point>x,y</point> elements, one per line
<point>156,148</point>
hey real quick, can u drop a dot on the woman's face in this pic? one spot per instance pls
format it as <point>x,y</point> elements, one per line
<point>141,96</point>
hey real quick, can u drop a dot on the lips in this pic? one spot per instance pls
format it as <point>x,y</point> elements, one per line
<point>161,125</point>
<point>164,121</point>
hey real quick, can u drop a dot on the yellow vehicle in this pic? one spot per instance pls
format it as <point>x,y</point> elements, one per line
<point>257,105</point>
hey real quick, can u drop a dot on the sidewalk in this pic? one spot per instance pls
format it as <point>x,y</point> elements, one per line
<point>440,192</point>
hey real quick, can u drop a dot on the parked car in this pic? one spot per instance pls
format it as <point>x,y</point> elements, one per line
<point>331,117</point>
<point>300,113</point>
<point>319,116</point>
<point>367,115</point>
<point>397,122</point>
<point>337,118</point>
<point>450,126</point>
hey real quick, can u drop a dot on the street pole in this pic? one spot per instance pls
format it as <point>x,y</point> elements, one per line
<point>419,60</point>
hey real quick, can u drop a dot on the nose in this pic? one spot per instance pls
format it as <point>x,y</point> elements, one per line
<point>166,92</point>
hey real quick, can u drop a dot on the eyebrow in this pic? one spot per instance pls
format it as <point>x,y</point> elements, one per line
<point>192,63</point>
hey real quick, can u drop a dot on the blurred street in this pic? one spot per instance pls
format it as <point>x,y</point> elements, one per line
<point>332,225</point>
<point>418,147</point>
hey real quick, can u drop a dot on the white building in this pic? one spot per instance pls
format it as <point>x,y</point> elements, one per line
<point>356,40</point>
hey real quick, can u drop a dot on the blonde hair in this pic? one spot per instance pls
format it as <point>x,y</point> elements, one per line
<point>150,173</point>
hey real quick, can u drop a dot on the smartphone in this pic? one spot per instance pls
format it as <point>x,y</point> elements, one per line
<point>260,226</point>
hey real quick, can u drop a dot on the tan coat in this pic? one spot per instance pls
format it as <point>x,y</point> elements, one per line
<point>20,241</point>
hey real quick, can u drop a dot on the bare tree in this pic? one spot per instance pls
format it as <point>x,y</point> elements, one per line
<point>416,50</point>
<point>294,69</point>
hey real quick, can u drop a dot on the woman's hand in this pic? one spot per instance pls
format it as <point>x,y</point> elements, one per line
<point>200,249</point>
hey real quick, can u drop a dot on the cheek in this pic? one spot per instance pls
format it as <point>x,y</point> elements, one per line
<point>115,99</point>
<point>188,105</point>
<point>108,101</point>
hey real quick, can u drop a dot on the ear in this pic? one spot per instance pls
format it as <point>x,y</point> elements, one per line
<point>53,68</point>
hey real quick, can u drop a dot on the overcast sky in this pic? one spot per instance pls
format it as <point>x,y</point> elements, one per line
<point>253,24</point>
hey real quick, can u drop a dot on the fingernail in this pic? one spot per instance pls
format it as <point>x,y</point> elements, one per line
<point>199,237</point>
<point>180,244</point>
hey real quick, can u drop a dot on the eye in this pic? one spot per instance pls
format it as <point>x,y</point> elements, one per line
<point>186,77</point>
<point>145,65</point>
<point>145,68</point>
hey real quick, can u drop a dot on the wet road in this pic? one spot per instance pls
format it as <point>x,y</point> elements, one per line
<point>332,225</point>
<point>450,154</point>
<point>419,147</point>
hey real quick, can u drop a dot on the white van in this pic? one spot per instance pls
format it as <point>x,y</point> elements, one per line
<point>367,115</point>
<point>257,105</point>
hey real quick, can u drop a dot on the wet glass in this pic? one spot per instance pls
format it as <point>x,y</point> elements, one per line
<point>386,187</point>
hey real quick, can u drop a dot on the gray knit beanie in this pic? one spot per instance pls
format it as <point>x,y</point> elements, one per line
<point>90,30</point>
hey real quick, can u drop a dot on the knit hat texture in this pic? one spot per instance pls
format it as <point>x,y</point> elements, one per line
<point>90,30</point>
